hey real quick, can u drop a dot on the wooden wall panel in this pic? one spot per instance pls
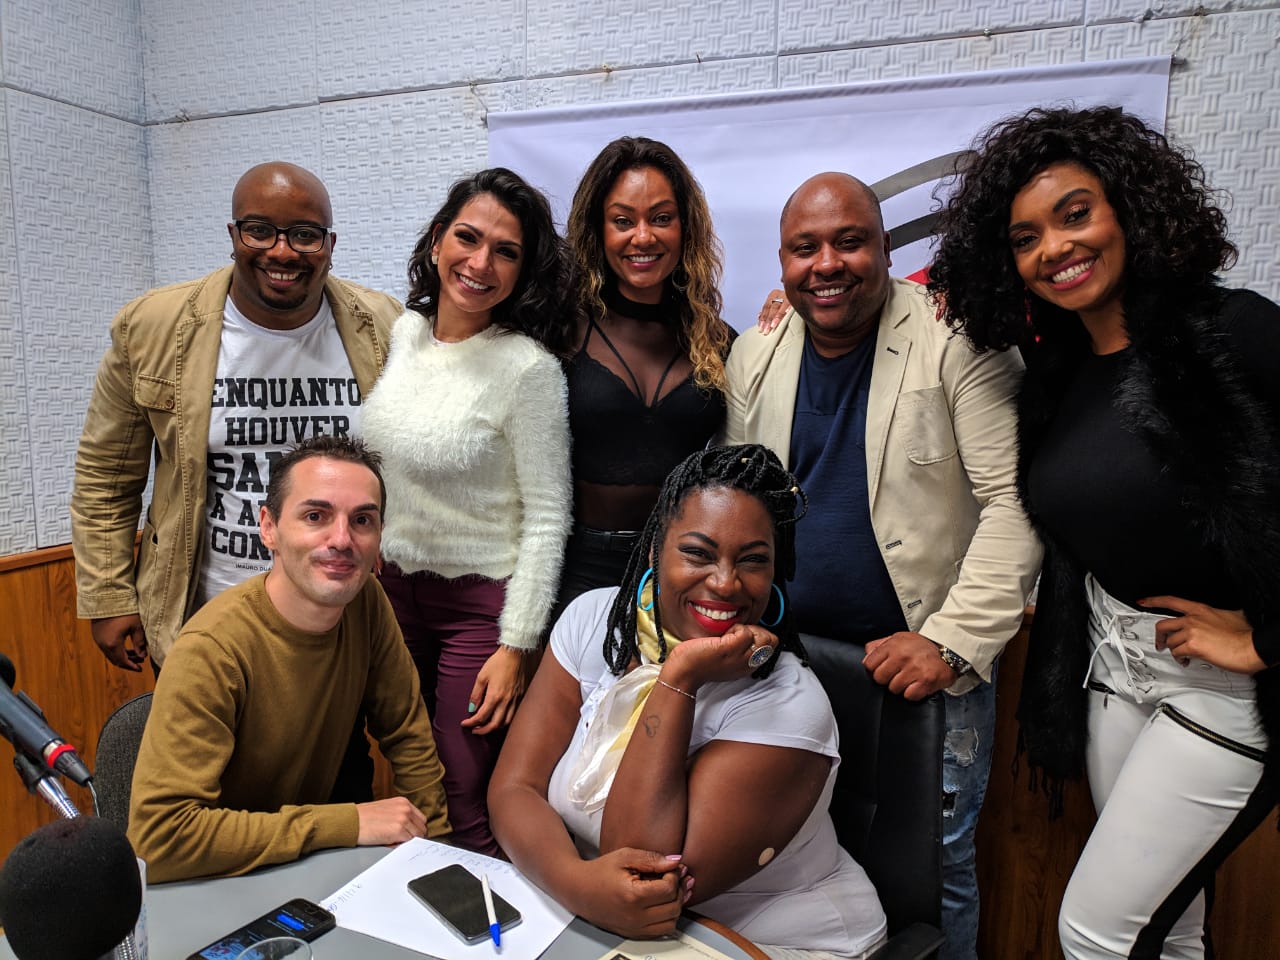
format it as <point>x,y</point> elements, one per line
<point>1023,859</point>
<point>60,668</point>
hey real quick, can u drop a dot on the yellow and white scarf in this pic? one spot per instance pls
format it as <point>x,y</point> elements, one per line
<point>617,714</point>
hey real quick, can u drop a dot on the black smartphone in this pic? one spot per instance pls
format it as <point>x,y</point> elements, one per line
<point>297,918</point>
<point>455,896</point>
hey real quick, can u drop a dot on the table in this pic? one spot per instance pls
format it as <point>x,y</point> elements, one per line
<point>185,916</point>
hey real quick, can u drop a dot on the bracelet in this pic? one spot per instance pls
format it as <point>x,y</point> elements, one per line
<point>683,693</point>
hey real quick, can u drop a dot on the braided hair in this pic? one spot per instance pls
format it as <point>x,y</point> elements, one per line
<point>750,468</point>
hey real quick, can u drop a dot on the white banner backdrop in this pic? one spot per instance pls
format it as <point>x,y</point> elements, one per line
<point>750,151</point>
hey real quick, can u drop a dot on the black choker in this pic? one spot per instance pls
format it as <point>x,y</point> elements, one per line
<point>661,312</point>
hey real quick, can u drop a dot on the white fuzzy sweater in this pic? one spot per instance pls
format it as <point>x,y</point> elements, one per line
<point>475,441</point>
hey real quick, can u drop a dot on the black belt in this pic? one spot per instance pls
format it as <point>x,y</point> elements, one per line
<point>613,541</point>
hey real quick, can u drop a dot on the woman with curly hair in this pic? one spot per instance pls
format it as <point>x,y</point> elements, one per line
<point>646,377</point>
<point>470,418</point>
<point>1149,462</point>
<point>675,749</point>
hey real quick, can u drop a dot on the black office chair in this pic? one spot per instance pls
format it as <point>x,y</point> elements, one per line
<point>115,758</point>
<point>887,804</point>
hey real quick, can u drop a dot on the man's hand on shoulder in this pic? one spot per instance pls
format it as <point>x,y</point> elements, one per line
<point>393,820</point>
<point>121,640</point>
<point>909,664</point>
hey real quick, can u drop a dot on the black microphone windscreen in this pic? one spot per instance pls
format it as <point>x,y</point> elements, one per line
<point>70,891</point>
<point>8,673</point>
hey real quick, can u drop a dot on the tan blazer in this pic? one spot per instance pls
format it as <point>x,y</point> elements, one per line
<point>153,392</point>
<point>941,467</point>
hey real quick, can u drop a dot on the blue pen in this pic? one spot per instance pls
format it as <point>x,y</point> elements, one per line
<point>494,930</point>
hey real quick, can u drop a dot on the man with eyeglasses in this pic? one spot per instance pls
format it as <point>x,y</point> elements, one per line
<point>220,376</point>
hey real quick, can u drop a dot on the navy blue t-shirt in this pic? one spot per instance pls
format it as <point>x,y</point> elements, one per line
<point>842,588</point>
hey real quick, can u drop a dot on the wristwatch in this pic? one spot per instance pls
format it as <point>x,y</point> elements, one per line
<point>953,660</point>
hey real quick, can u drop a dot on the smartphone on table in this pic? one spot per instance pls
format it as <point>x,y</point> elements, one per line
<point>297,918</point>
<point>455,896</point>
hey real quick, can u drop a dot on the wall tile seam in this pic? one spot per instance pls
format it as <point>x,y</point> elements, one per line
<point>20,412</point>
<point>989,33</point>
<point>473,86</point>
<point>1163,11</point>
<point>1197,13</point>
<point>1151,14</point>
<point>110,115</point>
<point>463,85</point>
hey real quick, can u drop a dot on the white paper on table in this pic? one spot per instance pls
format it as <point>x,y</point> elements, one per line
<point>378,904</point>
<point>681,946</point>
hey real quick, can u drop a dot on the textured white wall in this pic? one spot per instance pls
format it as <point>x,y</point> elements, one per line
<point>126,123</point>
<point>75,236</point>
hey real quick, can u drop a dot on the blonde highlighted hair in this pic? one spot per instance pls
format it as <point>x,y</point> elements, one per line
<point>695,282</point>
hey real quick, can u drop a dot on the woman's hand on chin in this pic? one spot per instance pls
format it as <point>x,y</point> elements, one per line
<point>718,659</point>
<point>499,687</point>
<point>637,894</point>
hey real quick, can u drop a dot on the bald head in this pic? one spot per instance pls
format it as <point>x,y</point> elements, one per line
<point>834,183</point>
<point>278,176</point>
<point>835,260</point>
<point>278,286</point>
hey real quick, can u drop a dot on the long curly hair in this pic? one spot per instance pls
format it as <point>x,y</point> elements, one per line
<point>751,468</point>
<point>694,285</point>
<point>1175,234</point>
<point>537,306</point>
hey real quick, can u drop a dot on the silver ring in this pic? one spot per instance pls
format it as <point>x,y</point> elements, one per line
<point>777,301</point>
<point>759,656</point>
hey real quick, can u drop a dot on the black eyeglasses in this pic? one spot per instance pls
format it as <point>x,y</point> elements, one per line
<point>302,237</point>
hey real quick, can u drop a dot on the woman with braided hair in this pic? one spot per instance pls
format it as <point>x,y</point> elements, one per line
<point>675,733</point>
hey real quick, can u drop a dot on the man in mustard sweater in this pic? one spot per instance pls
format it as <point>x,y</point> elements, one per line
<point>259,694</point>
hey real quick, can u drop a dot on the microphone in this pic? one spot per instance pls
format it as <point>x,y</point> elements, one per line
<point>70,891</point>
<point>22,723</point>
<point>40,779</point>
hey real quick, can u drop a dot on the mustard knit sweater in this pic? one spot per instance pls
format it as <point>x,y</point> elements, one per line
<point>248,727</point>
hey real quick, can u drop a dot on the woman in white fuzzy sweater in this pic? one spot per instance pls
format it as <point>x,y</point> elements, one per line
<point>470,417</point>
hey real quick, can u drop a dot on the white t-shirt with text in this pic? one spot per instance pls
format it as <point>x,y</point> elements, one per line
<point>273,389</point>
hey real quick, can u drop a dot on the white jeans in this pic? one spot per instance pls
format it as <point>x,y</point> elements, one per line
<point>1174,757</point>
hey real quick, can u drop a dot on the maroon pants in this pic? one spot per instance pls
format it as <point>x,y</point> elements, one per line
<point>451,629</point>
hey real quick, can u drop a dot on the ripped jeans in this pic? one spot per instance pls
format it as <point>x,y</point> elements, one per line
<point>966,762</point>
<point>1175,767</point>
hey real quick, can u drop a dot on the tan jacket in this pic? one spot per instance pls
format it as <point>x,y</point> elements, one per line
<point>154,388</point>
<point>941,468</point>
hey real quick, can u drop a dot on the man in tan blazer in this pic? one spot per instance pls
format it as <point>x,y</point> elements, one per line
<point>214,379</point>
<point>905,442</point>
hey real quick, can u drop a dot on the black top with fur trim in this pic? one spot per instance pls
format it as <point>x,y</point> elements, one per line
<point>1200,388</point>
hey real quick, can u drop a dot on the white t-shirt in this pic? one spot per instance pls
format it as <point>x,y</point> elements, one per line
<point>273,389</point>
<point>812,895</point>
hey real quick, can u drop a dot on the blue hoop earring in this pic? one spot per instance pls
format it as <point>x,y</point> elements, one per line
<point>640,589</point>
<point>782,606</point>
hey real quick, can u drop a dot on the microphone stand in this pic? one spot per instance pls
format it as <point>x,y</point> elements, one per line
<point>40,779</point>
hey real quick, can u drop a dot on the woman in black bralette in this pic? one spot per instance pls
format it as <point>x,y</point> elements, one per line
<point>646,381</point>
